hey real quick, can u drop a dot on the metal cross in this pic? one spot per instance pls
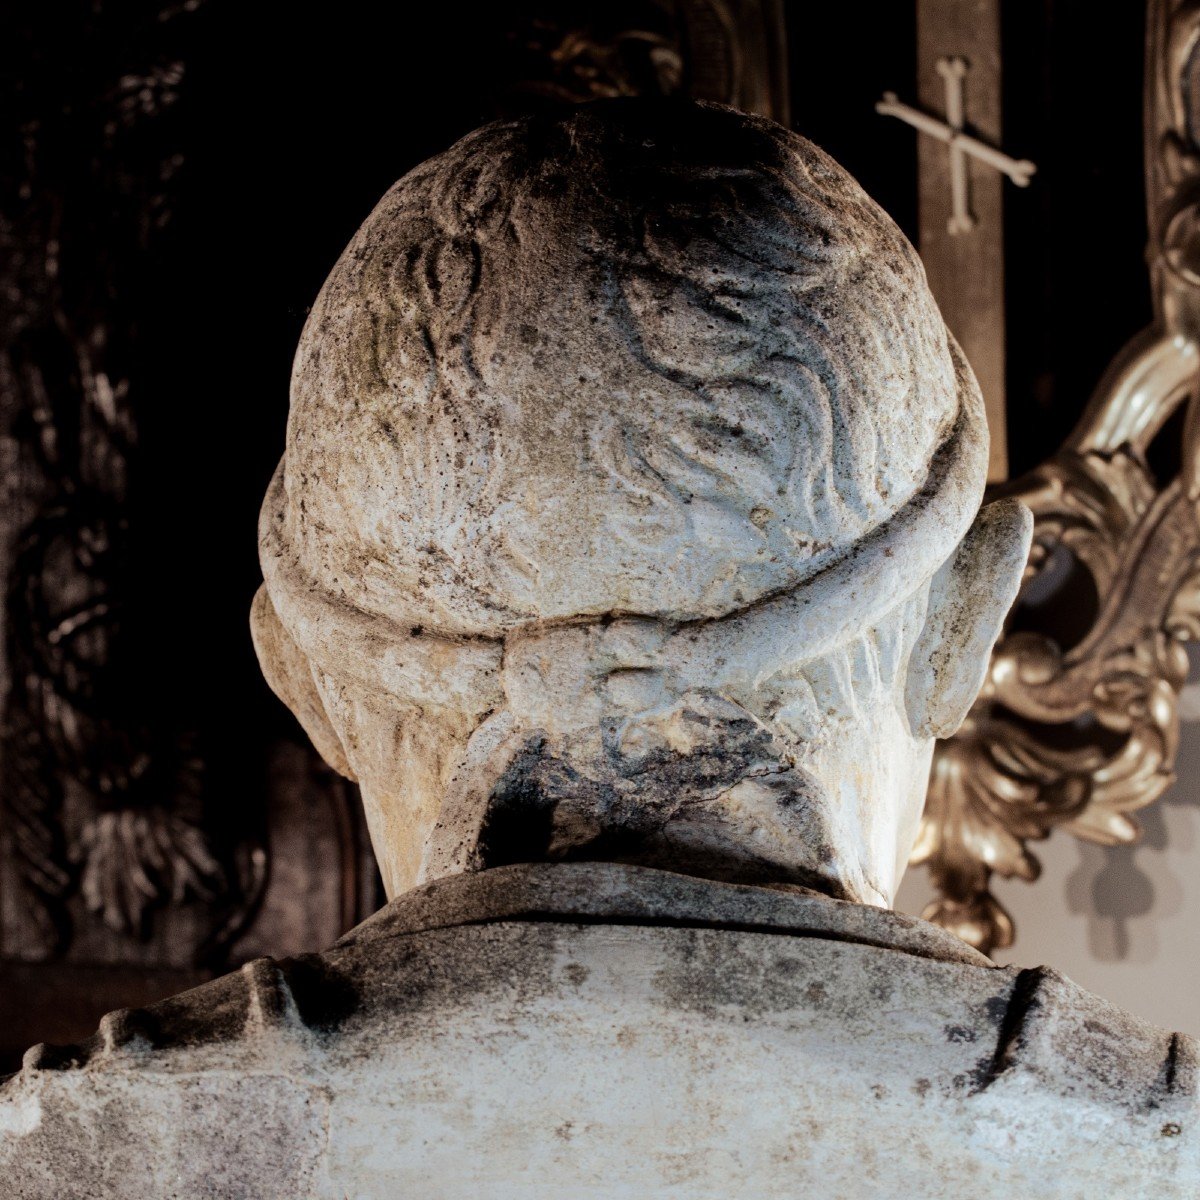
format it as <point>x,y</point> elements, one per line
<point>950,131</point>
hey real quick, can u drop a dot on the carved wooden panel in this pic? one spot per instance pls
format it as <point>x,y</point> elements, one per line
<point>731,51</point>
<point>138,842</point>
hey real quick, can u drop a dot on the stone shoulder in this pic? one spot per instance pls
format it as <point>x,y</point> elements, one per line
<point>317,992</point>
<point>1037,1030</point>
<point>405,1023</point>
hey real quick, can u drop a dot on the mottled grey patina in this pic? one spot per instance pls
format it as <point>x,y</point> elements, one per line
<point>575,1030</point>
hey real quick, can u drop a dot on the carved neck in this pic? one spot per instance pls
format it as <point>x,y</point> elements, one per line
<point>699,787</point>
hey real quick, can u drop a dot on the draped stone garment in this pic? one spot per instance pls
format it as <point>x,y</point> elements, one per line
<point>596,1030</point>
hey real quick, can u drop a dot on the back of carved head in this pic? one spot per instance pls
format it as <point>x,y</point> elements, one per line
<point>654,359</point>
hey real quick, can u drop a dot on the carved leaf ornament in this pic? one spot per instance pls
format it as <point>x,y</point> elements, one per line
<point>1071,732</point>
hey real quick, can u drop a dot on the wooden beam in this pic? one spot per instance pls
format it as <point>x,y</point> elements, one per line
<point>966,269</point>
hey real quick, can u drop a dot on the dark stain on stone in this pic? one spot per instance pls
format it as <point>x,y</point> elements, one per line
<point>214,1012</point>
<point>325,997</point>
<point>1177,1075</point>
<point>1012,1016</point>
<point>1171,1065</point>
<point>46,1057</point>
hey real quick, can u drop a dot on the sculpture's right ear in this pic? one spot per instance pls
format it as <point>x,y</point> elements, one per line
<point>289,676</point>
<point>968,600</point>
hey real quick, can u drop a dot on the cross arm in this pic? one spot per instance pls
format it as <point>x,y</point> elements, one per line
<point>1020,171</point>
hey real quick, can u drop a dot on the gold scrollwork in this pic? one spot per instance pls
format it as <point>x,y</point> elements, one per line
<point>1080,738</point>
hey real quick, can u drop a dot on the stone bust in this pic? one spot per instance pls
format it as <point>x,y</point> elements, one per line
<point>627,470</point>
<point>627,551</point>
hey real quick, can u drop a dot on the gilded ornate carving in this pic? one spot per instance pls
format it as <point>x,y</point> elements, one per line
<point>1080,736</point>
<point>733,51</point>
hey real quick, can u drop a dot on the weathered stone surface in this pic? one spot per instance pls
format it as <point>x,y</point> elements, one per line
<point>597,1030</point>
<point>626,453</point>
<point>628,520</point>
<point>565,347</point>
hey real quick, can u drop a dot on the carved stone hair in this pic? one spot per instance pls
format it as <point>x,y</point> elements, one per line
<point>657,360</point>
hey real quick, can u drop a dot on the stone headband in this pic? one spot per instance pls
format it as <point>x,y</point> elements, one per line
<point>473,674</point>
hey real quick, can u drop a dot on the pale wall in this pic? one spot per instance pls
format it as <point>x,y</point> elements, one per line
<point>1123,922</point>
